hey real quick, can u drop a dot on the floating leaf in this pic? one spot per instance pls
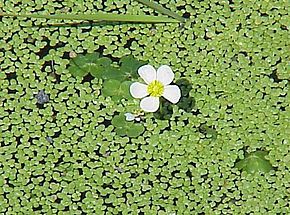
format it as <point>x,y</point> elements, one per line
<point>255,162</point>
<point>129,67</point>
<point>119,121</point>
<point>121,131</point>
<point>116,89</point>
<point>112,73</point>
<point>88,58</point>
<point>186,102</point>
<point>124,127</point>
<point>135,130</point>
<point>100,68</point>
<point>185,86</point>
<point>125,89</point>
<point>81,65</point>
<point>76,71</point>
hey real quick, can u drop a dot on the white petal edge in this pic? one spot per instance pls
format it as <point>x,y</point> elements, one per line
<point>172,93</point>
<point>150,104</point>
<point>147,73</point>
<point>165,74</point>
<point>138,90</point>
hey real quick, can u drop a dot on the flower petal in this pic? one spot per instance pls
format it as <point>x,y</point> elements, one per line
<point>150,104</point>
<point>147,73</point>
<point>138,90</point>
<point>129,117</point>
<point>172,93</point>
<point>165,74</point>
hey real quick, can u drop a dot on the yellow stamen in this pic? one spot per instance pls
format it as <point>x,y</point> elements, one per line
<point>155,88</point>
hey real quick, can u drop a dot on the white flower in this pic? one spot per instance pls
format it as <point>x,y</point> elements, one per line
<point>157,85</point>
<point>129,117</point>
<point>132,117</point>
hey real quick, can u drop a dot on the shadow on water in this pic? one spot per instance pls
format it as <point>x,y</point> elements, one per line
<point>185,103</point>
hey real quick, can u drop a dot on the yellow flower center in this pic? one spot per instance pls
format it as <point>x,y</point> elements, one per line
<point>155,88</point>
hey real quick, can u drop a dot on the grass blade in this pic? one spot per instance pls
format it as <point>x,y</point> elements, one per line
<point>161,9</point>
<point>99,17</point>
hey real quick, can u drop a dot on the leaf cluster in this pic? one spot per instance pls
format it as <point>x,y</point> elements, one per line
<point>255,162</point>
<point>116,79</point>
<point>125,128</point>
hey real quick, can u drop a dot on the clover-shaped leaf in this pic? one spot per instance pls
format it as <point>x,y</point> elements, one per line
<point>119,121</point>
<point>135,130</point>
<point>112,73</point>
<point>129,67</point>
<point>92,63</point>
<point>116,89</point>
<point>81,65</point>
<point>124,127</point>
<point>255,162</point>
<point>100,68</point>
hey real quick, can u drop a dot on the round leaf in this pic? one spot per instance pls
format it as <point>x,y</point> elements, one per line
<point>135,130</point>
<point>255,162</point>
<point>129,67</point>
<point>100,67</point>
<point>119,121</point>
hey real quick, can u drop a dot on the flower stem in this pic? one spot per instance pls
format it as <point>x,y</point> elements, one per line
<point>161,107</point>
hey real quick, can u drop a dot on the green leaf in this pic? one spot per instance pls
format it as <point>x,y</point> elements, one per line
<point>76,71</point>
<point>135,130</point>
<point>111,87</point>
<point>186,103</point>
<point>81,65</point>
<point>2,75</point>
<point>125,128</point>
<point>116,89</point>
<point>112,73</point>
<point>89,57</point>
<point>161,9</point>
<point>75,68</point>
<point>129,67</point>
<point>125,89</point>
<point>255,162</point>
<point>109,17</point>
<point>165,111</point>
<point>100,68</point>
<point>119,121</point>
<point>121,131</point>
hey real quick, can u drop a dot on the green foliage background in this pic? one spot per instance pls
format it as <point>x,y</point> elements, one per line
<point>235,56</point>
